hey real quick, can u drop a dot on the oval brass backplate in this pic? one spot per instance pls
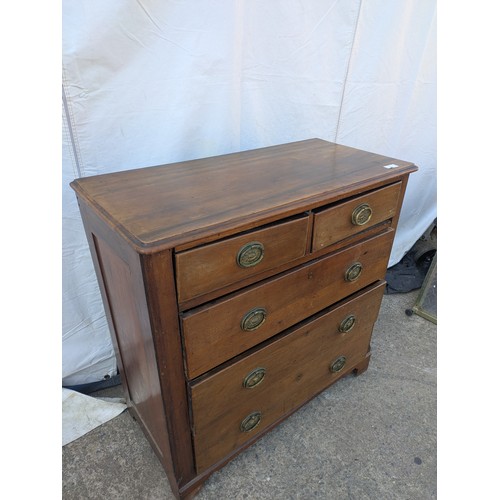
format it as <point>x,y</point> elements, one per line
<point>250,254</point>
<point>254,378</point>
<point>354,272</point>
<point>253,319</point>
<point>338,364</point>
<point>361,214</point>
<point>251,421</point>
<point>347,324</point>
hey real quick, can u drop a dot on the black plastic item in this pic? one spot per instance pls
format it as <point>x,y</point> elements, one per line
<point>96,386</point>
<point>409,273</point>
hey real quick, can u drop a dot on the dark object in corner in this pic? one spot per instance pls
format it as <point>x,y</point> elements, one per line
<point>96,386</point>
<point>409,273</point>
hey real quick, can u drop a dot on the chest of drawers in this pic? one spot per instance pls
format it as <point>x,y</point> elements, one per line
<point>239,287</point>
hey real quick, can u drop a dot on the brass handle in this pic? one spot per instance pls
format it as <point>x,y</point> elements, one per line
<point>254,378</point>
<point>347,324</point>
<point>354,272</point>
<point>253,319</point>
<point>361,214</point>
<point>250,254</point>
<point>338,364</point>
<point>251,421</point>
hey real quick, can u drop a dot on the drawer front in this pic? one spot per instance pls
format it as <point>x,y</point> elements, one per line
<point>221,330</point>
<point>242,400</point>
<point>210,267</point>
<point>346,219</point>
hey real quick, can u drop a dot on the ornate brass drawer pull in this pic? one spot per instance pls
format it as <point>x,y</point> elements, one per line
<point>361,214</point>
<point>354,272</point>
<point>253,319</point>
<point>250,254</point>
<point>347,324</point>
<point>254,378</point>
<point>338,364</point>
<point>251,421</point>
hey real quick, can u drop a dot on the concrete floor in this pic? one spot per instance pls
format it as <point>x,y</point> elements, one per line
<point>366,437</point>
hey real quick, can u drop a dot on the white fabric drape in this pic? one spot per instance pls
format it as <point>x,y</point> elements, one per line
<point>148,82</point>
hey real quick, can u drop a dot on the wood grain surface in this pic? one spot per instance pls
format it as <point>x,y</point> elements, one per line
<point>212,333</point>
<point>296,367</point>
<point>335,223</point>
<point>174,204</point>
<point>184,316</point>
<point>212,266</point>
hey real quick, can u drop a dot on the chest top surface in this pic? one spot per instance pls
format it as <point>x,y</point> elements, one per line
<point>172,204</point>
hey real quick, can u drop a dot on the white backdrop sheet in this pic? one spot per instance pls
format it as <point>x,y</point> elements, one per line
<point>149,82</point>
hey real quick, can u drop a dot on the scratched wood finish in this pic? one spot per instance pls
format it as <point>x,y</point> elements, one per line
<point>335,223</point>
<point>176,344</point>
<point>297,365</point>
<point>158,269</point>
<point>142,316</point>
<point>243,283</point>
<point>215,328</point>
<point>212,266</point>
<point>206,199</point>
<point>129,313</point>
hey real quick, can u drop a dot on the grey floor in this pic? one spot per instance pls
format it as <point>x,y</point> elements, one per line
<point>367,437</point>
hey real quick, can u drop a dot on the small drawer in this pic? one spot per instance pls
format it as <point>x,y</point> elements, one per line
<point>242,400</point>
<point>350,217</point>
<point>220,330</point>
<point>210,267</point>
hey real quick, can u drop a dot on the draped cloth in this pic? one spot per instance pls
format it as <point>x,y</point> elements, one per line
<point>149,82</point>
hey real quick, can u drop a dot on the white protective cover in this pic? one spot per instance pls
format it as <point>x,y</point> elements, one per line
<point>149,82</point>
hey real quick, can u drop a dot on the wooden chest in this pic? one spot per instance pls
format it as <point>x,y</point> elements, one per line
<point>238,287</point>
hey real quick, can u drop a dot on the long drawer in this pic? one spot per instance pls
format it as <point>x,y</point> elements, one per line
<point>223,329</point>
<point>242,400</point>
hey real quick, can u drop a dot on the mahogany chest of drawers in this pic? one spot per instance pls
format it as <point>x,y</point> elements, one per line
<point>238,287</point>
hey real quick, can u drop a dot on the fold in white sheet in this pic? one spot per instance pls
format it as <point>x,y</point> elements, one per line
<point>81,413</point>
